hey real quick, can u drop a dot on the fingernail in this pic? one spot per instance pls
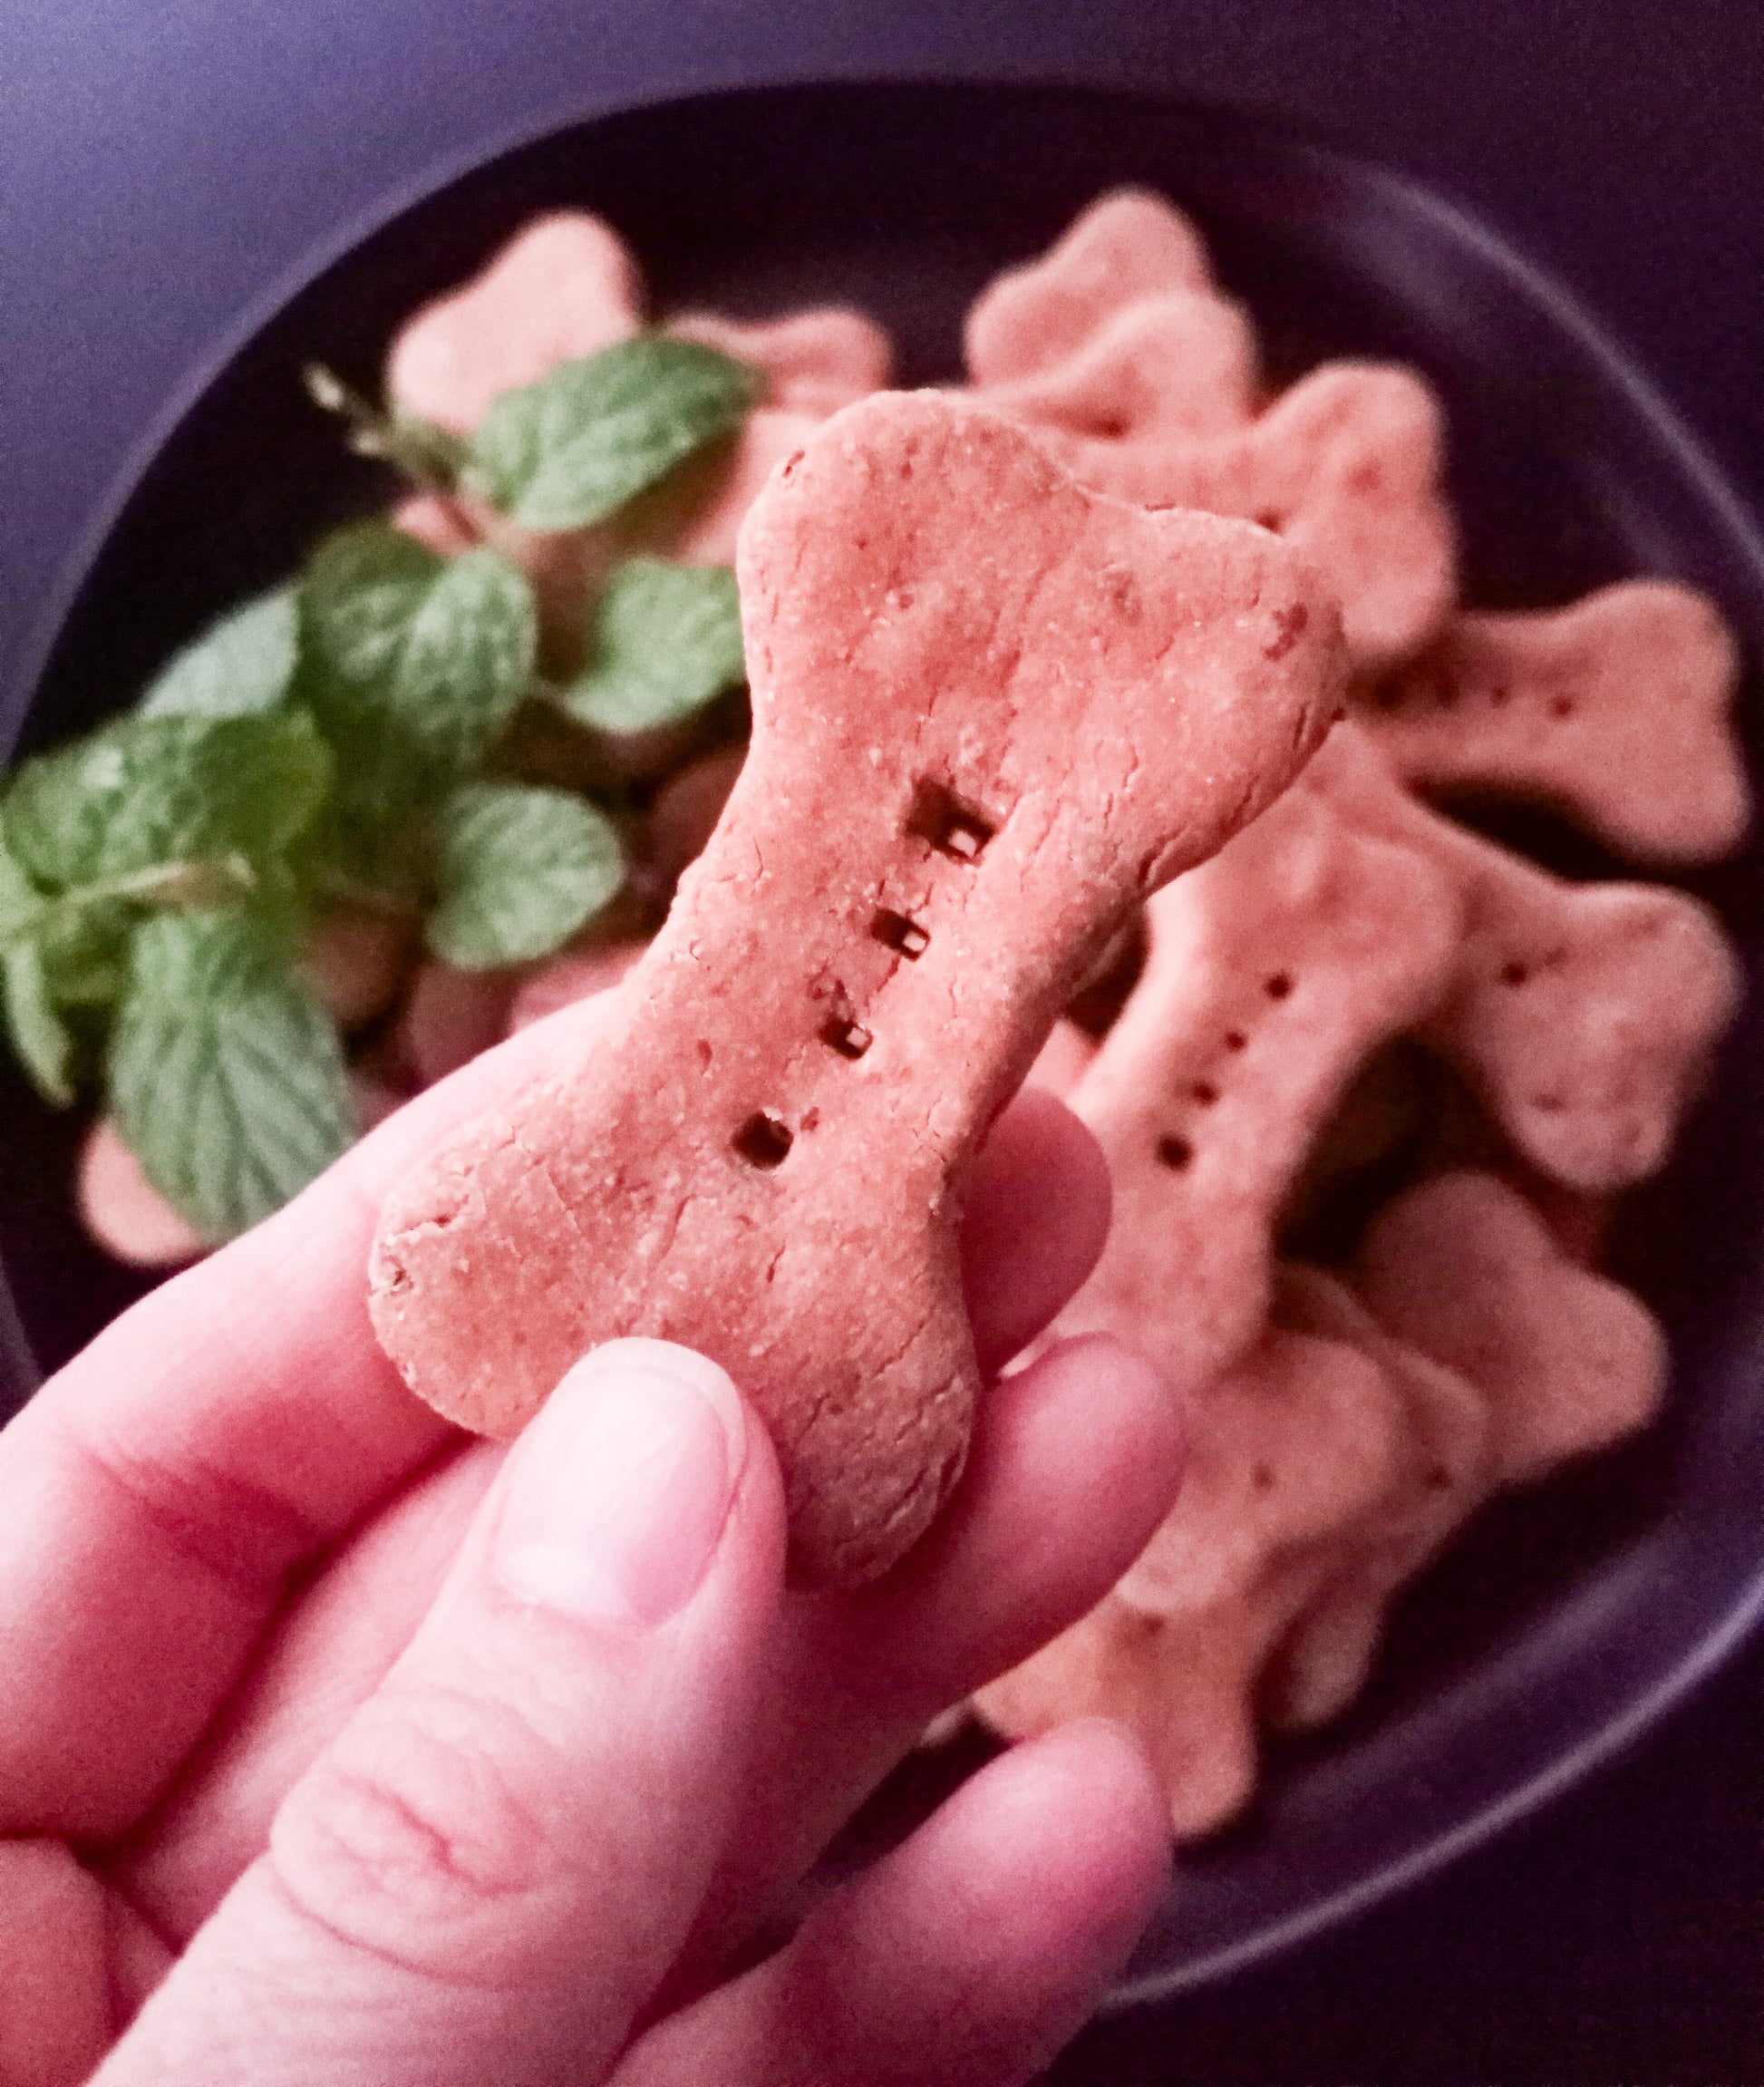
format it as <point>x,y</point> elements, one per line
<point>619,1489</point>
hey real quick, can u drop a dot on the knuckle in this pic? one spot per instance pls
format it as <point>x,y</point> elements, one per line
<point>419,1834</point>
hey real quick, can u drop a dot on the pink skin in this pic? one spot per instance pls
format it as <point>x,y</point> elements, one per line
<point>233,1470</point>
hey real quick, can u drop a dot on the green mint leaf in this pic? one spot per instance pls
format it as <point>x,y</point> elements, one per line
<point>44,1048</point>
<point>22,905</point>
<point>227,1077</point>
<point>84,950</point>
<point>242,665</point>
<point>588,436</point>
<point>414,664</point>
<point>149,793</point>
<point>521,868</point>
<point>667,638</point>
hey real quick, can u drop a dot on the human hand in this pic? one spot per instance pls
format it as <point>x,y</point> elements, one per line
<point>360,1791</point>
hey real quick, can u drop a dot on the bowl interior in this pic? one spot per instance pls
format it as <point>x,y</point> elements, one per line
<point>1565,1617</point>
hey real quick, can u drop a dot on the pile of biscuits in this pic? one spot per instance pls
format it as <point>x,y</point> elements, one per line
<point>1366,1081</point>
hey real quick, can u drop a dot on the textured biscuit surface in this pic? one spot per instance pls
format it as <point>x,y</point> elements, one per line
<point>1275,969</point>
<point>991,711</point>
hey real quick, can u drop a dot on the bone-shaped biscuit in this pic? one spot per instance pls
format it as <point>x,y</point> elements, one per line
<point>991,711</point>
<point>1127,245</point>
<point>1273,969</point>
<point>1179,367</point>
<point>1301,1440</point>
<point>1463,1269</point>
<point>1445,1471</point>
<point>564,286</point>
<point>1345,465</point>
<point>1615,710</point>
<point>1581,1014</point>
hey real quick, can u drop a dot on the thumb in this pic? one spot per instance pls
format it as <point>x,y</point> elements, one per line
<point>485,1875</point>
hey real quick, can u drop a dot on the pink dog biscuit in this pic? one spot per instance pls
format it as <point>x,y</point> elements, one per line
<point>1172,368</point>
<point>1616,709</point>
<point>756,1153</point>
<point>1463,1269</point>
<point>1273,969</point>
<point>1127,244</point>
<point>1581,1014</point>
<point>1300,1441</point>
<point>1445,1471</point>
<point>1345,465</point>
<point>563,287</point>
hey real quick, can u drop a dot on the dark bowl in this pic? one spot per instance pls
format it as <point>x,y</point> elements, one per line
<point>1566,1618</point>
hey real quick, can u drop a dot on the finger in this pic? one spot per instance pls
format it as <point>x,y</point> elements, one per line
<point>326,1656</point>
<point>964,1959</point>
<point>482,1877</point>
<point>54,1999</point>
<point>1075,1464</point>
<point>1036,1218</point>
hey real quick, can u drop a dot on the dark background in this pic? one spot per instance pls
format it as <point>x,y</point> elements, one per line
<point>167,173</point>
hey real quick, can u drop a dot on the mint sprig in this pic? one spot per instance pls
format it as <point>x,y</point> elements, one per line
<point>151,806</point>
<point>226,1077</point>
<point>521,868</point>
<point>667,640</point>
<point>329,739</point>
<point>415,664</point>
<point>577,444</point>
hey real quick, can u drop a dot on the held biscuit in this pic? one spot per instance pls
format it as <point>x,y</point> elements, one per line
<point>758,1152</point>
<point>1299,1443</point>
<point>1127,245</point>
<point>1617,710</point>
<point>1465,1270</point>
<point>1582,1015</point>
<point>1273,970</point>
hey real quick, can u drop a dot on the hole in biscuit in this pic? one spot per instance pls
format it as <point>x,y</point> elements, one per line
<point>1270,519</point>
<point>1204,1091</point>
<point>1234,1040</point>
<point>1561,707</point>
<point>1175,1152</point>
<point>951,827</point>
<point>1262,1478</point>
<point>1500,698</point>
<point>904,936</point>
<point>849,1039</point>
<point>1514,974</point>
<point>1438,1477</point>
<point>1277,986</point>
<point>764,1140</point>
